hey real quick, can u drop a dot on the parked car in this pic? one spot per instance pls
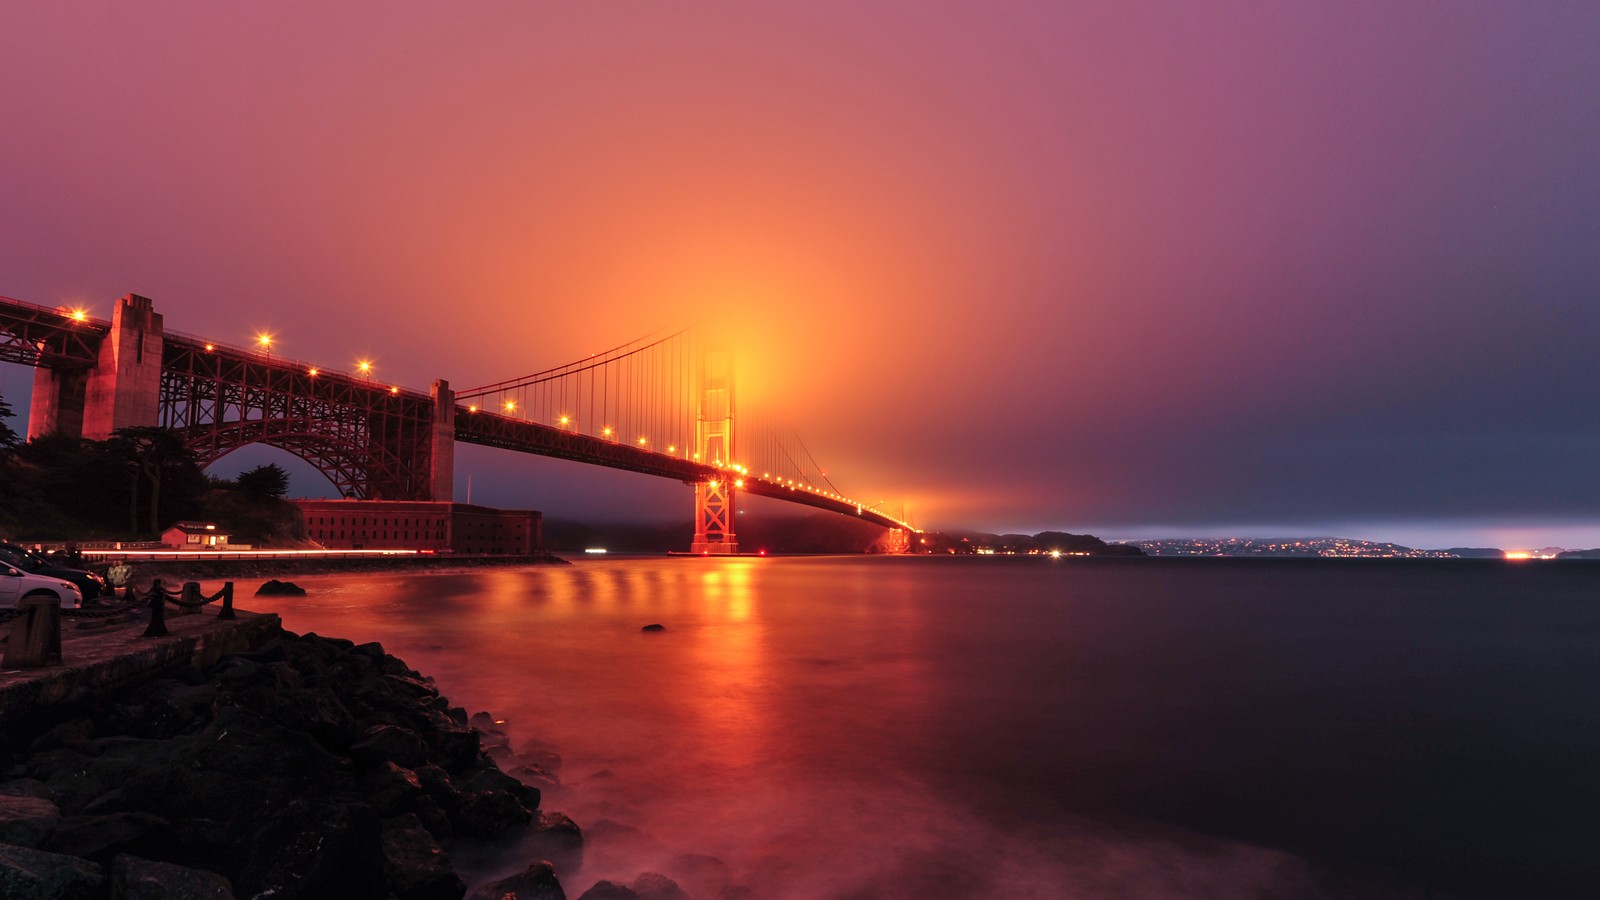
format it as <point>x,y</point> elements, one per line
<point>90,585</point>
<point>16,584</point>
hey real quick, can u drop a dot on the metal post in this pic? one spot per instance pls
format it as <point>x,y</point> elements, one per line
<point>227,602</point>
<point>158,611</point>
<point>191,599</point>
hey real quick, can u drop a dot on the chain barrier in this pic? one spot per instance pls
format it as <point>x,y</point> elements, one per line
<point>41,636</point>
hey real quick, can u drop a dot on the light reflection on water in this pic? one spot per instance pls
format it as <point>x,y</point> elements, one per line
<point>903,728</point>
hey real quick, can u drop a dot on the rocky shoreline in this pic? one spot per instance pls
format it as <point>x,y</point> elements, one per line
<point>310,767</point>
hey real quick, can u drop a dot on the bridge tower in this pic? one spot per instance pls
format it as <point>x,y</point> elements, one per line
<point>713,497</point>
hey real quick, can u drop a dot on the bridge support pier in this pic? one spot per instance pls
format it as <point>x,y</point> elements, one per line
<point>122,390</point>
<point>57,405</point>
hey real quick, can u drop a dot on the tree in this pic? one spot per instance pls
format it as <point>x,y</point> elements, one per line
<point>8,438</point>
<point>268,480</point>
<point>156,454</point>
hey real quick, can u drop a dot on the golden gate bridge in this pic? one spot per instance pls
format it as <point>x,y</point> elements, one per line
<point>663,405</point>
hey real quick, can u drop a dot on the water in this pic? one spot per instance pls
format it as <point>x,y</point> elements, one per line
<point>1026,728</point>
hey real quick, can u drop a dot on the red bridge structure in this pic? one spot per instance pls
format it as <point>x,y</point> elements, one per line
<point>662,405</point>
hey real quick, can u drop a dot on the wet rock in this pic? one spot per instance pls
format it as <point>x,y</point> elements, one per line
<point>392,790</point>
<point>558,839</point>
<point>315,849</point>
<point>390,743</point>
<point>701,874</point>
<point>101,837</point>
<point>133,878</point>
<point>415,866</point>
<point>656,886</point>
<point>490,814</point>
<point>27,820</point>
<point>276,588</point>
<point>654,626</point>
<point>537,882</point>
<point>609,890</point>
<point>25,872</point>
<point>492,779</point>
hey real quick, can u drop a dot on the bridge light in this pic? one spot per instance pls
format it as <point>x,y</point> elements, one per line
<point>312,371</point>
<point>364,366</point>
<point>713,484</point>
<point>738,482</point>
<point>644,441</point>
<point>565,420</point>
<point>511,406</point>
<point>473,408</point>
<point>606,431</point>
<point>78,315</point>
<point>672,448</point>
<point>394,389</point>
<point>210,347</point>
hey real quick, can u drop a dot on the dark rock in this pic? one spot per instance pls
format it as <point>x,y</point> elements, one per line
<point>392,790</point>
<point>610,890</point>
<point>67,734</point>
<point>414,865</point>
<point>492,779</point>
<point>490,813</point>
<point>276,588</point>
<point>701,875</point>
<point>656,626</point>
<point>25,872</point>
<point>133,878</point>
<point>656,886</point>
<point>537,882</point>
<point>101,837</point>
<point>559,840</point>
<point>27,820</point>
<point>439,786</point>
<point>313,849</point>
<point>390,743</point>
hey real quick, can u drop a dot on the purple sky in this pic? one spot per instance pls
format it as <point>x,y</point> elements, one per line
<point>1141,269</point>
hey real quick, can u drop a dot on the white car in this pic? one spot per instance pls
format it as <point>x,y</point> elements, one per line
<point>16,584</point>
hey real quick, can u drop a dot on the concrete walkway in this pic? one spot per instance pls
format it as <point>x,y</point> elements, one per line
<point>99,656</point>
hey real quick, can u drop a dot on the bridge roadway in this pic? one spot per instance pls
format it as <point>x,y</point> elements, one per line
<point>494,430</point>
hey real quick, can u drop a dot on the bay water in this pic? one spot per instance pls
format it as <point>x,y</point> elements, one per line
<point>1026,727</point>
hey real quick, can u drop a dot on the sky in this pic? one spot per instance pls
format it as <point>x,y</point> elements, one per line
<point>1142,269</point>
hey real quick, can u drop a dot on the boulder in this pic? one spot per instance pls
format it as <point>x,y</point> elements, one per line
<point>609,890</point>
<point>390,743</point>
<point>537,882</point>
<point>27,820</point>
<point>654,626</point>
<point>557,839</point>
<point>315,849</point>
<point>25,872</point>
<point>100,837</point>
<point>656,886</point>
<point>276,588</point>
<point>490,814</point>
<point>415,867</point>
<point>133,878</point>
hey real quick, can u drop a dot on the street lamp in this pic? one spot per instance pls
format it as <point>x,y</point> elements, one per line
<point>364,366</point>
<point>264,341</point>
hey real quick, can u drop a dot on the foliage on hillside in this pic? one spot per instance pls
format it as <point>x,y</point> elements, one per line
<point>130,487</point>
